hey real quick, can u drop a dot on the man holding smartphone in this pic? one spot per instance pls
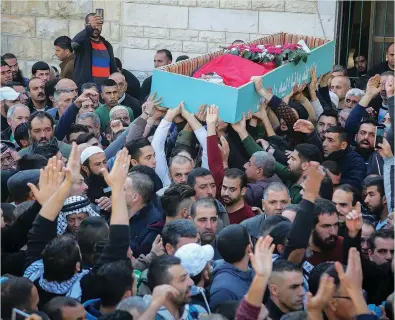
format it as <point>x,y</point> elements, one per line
<point>94,56</point>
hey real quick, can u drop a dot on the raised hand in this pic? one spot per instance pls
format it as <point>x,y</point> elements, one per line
<point>385,149</point>
<point>86,96</point>
<point>258,83</point>
<point>373,86</point>
<point>201,114</point>
<point>157,246</point>
<point>74,164</point>
<point>212,114</point>
<point>317,303</point>
<point>314,81</point>
<point>261,259</point>
<point>117,177</point>
<point>116,126</point>
<point>263,143</point>
<point>104,203</point>
<point>313,180</point>
<point>161,293</point>
<point>225,150</point>
<point>241,125</point>
<point>351,280</point>
<point>304,126</point>
<point>293,91</point>
<point>173,113</point>
<point>51,177</point>
<point>354,221</point>
<point>325,79</point>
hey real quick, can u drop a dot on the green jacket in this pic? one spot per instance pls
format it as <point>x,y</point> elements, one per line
<point>282,171</point>
<point>104,114</point>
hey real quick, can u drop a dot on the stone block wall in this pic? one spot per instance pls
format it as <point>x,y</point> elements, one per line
<point>137,28</point>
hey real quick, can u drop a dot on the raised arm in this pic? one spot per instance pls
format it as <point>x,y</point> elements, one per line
<point>158,144</point>
<point>214,153</point>
<point>53,190</point>
<point>118,245</point>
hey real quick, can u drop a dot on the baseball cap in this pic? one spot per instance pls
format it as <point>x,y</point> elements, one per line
<point>194,257</point>
<point>90,151</point>
<point>7,93</point>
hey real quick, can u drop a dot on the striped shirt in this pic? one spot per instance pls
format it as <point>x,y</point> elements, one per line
<point>100,62</point>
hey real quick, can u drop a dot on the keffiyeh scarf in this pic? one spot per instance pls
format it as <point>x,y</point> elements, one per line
<point>70,288</point>
<point>73,205</point>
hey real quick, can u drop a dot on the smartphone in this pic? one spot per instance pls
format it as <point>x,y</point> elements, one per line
<point>100,13</point>
<point>19,315</point>
<point>379,135</point>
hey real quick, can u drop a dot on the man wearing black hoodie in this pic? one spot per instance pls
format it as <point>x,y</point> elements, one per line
<point>337,148</point>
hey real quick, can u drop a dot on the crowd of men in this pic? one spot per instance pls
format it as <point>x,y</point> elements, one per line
<point>116,207</point>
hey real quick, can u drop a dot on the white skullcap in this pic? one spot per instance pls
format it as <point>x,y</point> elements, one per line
<point>7,93</point>
<point>116,108</point>
<point>90,151</point>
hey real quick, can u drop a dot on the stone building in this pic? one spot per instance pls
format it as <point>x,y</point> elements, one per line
<point>137,28</point>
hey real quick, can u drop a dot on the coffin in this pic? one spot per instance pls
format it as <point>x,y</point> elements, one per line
<point>174,82</point>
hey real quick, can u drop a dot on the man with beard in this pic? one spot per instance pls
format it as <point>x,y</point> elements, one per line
<point>8,157</point>
<point>376,201</point>
<point>196,259</point>
<point>38,100</point>
<point>74,211</point>
<point>93,55</point>
<point>17,76</point>
<point>232,194</point>
<point>169,270</point>
<point>204,214</point>
<point>93,160</point>
<point>41,130</point>
<point>365,147</point>
<point>325,243</point>
<point>326,120</point>
<point>298,163</point>
<point>124,98</point>
<point>109,94</point>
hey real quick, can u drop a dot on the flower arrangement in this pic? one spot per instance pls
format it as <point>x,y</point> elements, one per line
<point>265,53</point>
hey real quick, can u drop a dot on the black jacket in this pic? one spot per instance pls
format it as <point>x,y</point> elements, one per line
<point>145,89</point>
<point>6,134</point>
<point>133,84</point>
<point>133,104</point>
<point>81,44</point>
<point>44,231</point>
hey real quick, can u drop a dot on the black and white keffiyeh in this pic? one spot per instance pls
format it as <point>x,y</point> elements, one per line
<point>73,205</point>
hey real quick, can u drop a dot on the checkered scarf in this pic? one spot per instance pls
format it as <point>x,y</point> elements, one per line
<point>73,205</point>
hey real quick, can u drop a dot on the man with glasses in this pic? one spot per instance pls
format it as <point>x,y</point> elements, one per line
<point>8,98</point>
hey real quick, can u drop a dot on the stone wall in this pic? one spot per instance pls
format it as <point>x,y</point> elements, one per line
<point>137,28</point>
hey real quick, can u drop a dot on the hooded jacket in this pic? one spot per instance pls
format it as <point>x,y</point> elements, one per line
<point>199,297</point>
<point>191,312</point>
<point>353,167</point>
<point>229,283</point>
